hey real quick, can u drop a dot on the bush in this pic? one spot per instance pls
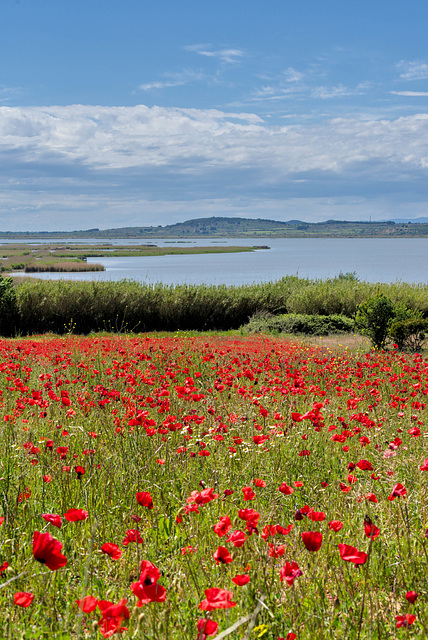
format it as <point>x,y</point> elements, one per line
<point>299,323</point>
<point>409,334</point>
<point>8,308</point>
<point>374,318</point>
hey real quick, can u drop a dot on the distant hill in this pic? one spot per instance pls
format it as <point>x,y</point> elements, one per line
<point>242,228</point>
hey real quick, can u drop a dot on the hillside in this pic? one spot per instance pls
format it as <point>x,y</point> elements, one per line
<point>242,228</point>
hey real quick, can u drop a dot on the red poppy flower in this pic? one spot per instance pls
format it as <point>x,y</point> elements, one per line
<point>53,518</point>
<point>145,499</point>
<point>222,555</point>
<point>132,535</point>
<point>289,572</point>
<point>335,525</point>
<point>76,515</point>
<point>365,465</point>
<point>237,538</point>
<point>87,604</point>
<point>351,554</point>
<point>371,498</point>
<point>248,493</point>
<point>312,540</point>
<point>241,580</point>
<point>223,526</point>
<point>344,488</point>
<point>47,550</point>
<point>80,471</point>
<point>370,529</point>
<point>424,466</point>
<point>411,596</point>
<point>276,552</point>
<point>259,483</point>
<point>205,496</point>
<point>206,628</point>
<point>316,516</point>
<point>284,531</point>
<point>147,591</point>
<point>112,617</point>
<point>397,491</point>
<point>23,598</point>
<point>285,489</point>
<point>216,598</point>
<point>249,515</point>
<point>112,550</point>
<point>405,621</point>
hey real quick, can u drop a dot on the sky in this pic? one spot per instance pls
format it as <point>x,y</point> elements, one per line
<point>138,113</point>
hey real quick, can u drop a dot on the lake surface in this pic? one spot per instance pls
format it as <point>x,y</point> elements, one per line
<point>373,259</point>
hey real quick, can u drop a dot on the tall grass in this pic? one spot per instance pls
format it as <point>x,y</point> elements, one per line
<point>132,306</point>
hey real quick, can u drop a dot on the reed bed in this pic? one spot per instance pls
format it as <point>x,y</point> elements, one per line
<point>129,306</point>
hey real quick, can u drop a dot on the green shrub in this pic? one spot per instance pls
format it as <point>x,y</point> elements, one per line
<point>299,323</point>
<point>409,334</point>
<point>8,308</point>
<point>374,318</point>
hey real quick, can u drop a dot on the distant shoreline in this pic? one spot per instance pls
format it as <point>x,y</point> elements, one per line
<point>222,227</point>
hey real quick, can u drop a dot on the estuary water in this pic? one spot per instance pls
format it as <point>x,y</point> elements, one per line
<point>373,260</point>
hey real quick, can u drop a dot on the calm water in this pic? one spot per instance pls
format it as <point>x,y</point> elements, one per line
<point>374,260</point>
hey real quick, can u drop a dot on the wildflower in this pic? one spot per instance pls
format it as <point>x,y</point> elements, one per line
<point>145,499</point>
<point>76,515</point>
<point>241,580</point>
<point>87,604</point>
<point>248,493</point>
<point>112,617</point>
<point>312,540</point>
<point>132,535</point>
<point>285,489</point>
<point>335,525</point>
<point>216,598</point>
<point>223,526</point>
<point>411,596</point>
<point>23,598</point>
<point>237,538</point>
<point>206,628</point>
<point>405,621</point>
<point>370,529</point>
<point>222,555</point>
<point>47,550</point>
<point>53,518</point>
<point>397,491</point>
<point>112,550</point>
<point>289,572</point>
<point>351,554</point>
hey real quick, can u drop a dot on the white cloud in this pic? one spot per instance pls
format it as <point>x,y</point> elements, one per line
<point>292,75</point>
<point>413,70</point>
<point>110,163</point>
<point>228,55</point>
<point>115,138</point>
<point>335,92</point>
<point>410,93</point>
<point>173,80</point>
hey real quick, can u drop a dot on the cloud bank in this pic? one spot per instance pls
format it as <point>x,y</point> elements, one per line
<point>113,166</point>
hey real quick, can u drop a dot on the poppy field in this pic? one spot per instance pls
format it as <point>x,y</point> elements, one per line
<point>167,486</point>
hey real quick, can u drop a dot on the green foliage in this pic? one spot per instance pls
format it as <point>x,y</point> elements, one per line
<point>299,323</point>
<point>45,306</point>
<point>409,334</point>
<point>8,307</point>
<point>374,318</point>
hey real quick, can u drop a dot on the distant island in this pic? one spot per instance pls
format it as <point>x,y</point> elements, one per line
<point>240,228</point>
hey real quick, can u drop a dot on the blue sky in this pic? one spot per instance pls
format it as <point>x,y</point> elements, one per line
<point>138,113</point>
